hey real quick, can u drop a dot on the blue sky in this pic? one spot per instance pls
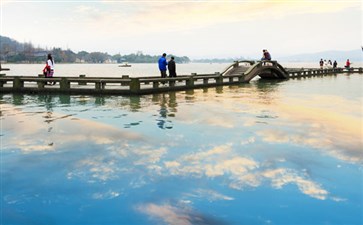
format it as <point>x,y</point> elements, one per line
<point>198,29</point>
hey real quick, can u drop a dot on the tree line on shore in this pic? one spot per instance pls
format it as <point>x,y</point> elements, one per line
<point>12,51</point>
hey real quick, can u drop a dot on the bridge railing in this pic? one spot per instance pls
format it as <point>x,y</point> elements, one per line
<point>62,84</point>
<point>143,85</point>
<point>113,85</point>
<point>274,63</point>
<point>230,67</point>
<point>254,64</point>
<point>237,64</point>
<point>312,72</point>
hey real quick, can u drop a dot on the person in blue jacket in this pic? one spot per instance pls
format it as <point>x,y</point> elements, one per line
<point>162,65</point>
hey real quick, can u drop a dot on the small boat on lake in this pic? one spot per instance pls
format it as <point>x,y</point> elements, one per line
<point>125,65</point>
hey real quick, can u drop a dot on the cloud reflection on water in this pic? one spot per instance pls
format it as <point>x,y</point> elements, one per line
<point>334,131</point>
<point>82,131</point>
<point>209,194</point>
<point>177,215</point>
<point>218,161</point>
<point>222,160</point>
<point>106,154</point>
<point>314,121</point>
<point>242,172</point>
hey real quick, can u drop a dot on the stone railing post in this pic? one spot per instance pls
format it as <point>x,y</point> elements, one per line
<point>98,85</point>
<point>241,78</point>
<point>135,85</point>
<point>123,83</point>
<point>2,82</point>
<point>205,81</point>
<point>219,79</point>
<point>64,84</point>
<point>18,83</point>
<point>171,83</point>
<point>41,83</point>
<point>190,81</point>
<point>82,82</point>
<point>155,84</point>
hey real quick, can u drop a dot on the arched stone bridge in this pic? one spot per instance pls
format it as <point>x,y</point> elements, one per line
<point>251,69</point>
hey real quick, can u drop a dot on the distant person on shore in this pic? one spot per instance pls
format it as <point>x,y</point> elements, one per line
<point>49,67</point>
<point>172,67</point>
<point>347,64</point>
<point>266,55</point>
<point>335,64</point>
<point>162,65</point>
<point>321,63</point>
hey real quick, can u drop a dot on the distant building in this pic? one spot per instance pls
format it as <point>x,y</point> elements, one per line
<point>109,61</point>
<point>40,53</point>
<point>80,60</point>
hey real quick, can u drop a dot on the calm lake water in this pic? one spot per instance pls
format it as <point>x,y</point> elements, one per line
<point>276,153</point>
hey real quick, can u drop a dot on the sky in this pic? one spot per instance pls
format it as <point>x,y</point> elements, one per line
<point>197,29</point>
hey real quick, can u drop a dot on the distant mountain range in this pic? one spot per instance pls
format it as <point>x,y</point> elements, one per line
<point>353,55</point>
<point>340,56</point>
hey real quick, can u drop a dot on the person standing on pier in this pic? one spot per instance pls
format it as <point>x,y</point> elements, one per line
<point>347,64</point>
<point>335,64</point>
<point>330,64</point>
<point>321,63</point>
<point>172,67</point>
<point>325,64</point>
<point>162,65</point>
<point>49,67</point>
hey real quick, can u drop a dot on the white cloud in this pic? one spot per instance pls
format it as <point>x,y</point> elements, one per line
<point>184,27</point>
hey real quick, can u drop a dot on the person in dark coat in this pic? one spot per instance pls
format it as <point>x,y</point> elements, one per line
<point>172,67</point>
<point>335,64</point>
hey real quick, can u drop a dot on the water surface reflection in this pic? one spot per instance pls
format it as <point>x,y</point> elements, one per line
<point>249,154</point>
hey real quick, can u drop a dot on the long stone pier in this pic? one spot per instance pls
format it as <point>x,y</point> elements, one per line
<point>237,73</point>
